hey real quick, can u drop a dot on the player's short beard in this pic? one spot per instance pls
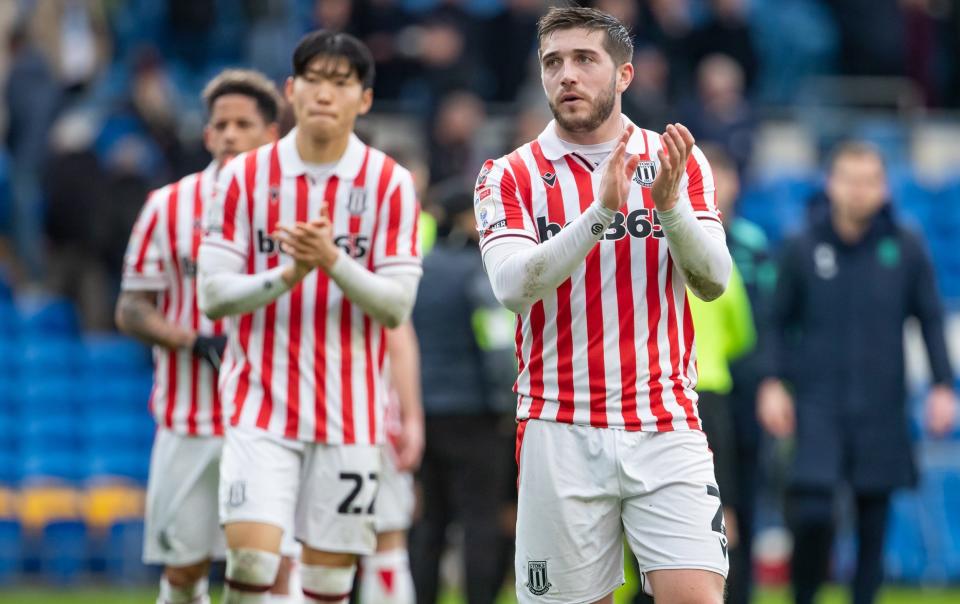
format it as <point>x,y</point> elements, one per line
<point>601,110</point>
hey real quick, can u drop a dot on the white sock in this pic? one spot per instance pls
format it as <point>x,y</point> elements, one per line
<point>327,584</point>
<point>294,593</point>
<point>386,578</point>
<point>250,575</point>
<point>190,594</point>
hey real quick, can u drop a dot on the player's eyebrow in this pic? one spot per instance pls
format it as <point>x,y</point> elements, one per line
<point>575,51</point>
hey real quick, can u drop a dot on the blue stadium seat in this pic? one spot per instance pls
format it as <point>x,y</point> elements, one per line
<point>64,551</point>
<point>778,206</point>
<point>49,433</point>
<point>46,396</point>
<point>123,554</point>
<point>119,394</point>
<point>9,468</point>
<point>904,551</point>
<point>9,319</point>
<point>132,463</point>
<point>49,317</point>
<point>65,464</point>
<point>120,431</point>
<point>50,356</point>
<point>111,354</point>
<point>11,550</point>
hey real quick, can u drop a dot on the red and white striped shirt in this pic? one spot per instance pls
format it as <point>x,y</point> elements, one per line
<point>613,346</point>
<point>309,365</point>
<point>162,257</point>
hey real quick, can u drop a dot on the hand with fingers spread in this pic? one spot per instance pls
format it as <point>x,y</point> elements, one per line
<point>677,147</point>
<point>310,244</point>
<point>615,185</point>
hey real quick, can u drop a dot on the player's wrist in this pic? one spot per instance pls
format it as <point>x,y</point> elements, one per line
<point>294,273</point>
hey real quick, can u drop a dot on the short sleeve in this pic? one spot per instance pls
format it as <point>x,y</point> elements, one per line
<point>145,263</point>
<point>396,242</point>
<point>500,214</point>
<point>698,187</point>
<point>226,223</point>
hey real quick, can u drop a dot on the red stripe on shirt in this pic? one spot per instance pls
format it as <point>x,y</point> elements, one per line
<point>652,296</point>
<point>521,175</point>
<point>296,317</point>
<point>195,316</point>
<point>593,290</point>
<point>393,222</point>
<point>695,185</point>
<point>627,336</point>
<point>230,202</point>
<point>511,205</point>
<point>673,337</point>
<point>346,311</point>
<point>145,243</point>
<point>172,203</point>
<point>246,321</point>
<point>320,330</point>
<point>270,312</point>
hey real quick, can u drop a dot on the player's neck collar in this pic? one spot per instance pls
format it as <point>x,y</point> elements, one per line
<point>555,148</point>
<point>292,165</point>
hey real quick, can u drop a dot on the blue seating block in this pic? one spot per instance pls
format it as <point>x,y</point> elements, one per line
<point>49,317</point>
<point>123,554</point>
<point>11,550</point>
<point>64,551</point>
<point>111,354</point>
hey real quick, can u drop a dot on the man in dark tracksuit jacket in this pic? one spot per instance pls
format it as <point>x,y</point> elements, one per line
<point>844,289</point>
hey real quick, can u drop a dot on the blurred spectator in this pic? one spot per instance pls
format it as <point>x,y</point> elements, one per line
<point>646,100</point>
<point>274,32</point>
<point>528,123</point>
<point>509,48</point>
<point>454,151</point>
<point>874,46</point>
<point>191,23</point>
<point>76,191</point>
<point>720,113</point>
<point>32,95</point>
<point>444,64</point>
<point>751,255</point>
<point>726,31</point>
<point>150,112</point>
<point>666,25</point>
<point>466,467</point>
<point>74,36</point>
<point>335,15</point>
<point>845,286</point>
<point>386,29</point>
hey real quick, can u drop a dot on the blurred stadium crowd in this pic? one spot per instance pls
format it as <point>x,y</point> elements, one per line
<point>101,104</point>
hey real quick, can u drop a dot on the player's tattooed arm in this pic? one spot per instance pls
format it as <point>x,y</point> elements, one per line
<point>137,315</point>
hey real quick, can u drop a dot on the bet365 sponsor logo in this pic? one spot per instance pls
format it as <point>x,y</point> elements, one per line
<point>354,244</point>
<point>640,223</point>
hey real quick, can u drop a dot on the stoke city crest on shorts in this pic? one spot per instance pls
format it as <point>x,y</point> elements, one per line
<point>537,581</point>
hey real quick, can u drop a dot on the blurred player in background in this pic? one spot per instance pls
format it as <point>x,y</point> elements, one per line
<point>845,286</point>
<point>313,243</point>
<point>385,575</point>
<point>158,305</point>
<point>591,233</point>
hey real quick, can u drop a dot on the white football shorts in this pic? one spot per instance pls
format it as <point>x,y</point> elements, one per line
<point>581,488</point>
<point>393,510</point>
<point>180,525</point>
<point>329,490</point>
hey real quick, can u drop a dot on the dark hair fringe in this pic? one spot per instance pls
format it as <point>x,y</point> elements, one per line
<point>246,82</point>
<point>618,41</point>
<point>337,45</point>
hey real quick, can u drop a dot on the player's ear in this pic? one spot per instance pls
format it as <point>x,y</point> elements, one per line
<point>288,89</point>
<point>624,76</point>
<point>206,138</point>
<point>366,101</point>
<point>273,132</point>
